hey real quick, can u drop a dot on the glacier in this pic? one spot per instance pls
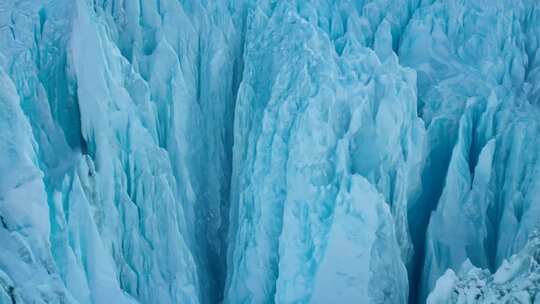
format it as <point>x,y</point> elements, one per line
<point>269,151</point>
<point>516,281</point>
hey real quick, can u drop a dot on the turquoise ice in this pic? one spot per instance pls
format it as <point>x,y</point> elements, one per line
<point>269,151</point>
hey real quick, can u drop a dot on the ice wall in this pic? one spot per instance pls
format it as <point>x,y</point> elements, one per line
<point>312,204</point>
<point>266,151</point>
<point>121,138</point>
<point>477,67</point>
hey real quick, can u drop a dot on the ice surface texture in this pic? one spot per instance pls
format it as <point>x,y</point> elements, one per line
<point>269,151</point>
<point>516,281</point>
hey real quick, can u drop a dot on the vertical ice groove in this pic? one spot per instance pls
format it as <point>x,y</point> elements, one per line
<point>269,151</point>
<point>474,94</point>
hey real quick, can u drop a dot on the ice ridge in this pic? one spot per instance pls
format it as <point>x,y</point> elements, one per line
<point>269,151</point>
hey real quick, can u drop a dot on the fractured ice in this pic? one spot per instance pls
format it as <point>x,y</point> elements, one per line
<point>269,151</point>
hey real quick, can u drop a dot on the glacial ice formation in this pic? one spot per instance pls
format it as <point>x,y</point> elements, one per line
<point>269,151</point>
<point>516,281</point>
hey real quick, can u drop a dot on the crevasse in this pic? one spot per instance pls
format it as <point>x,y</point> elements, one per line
<point>268,151</point>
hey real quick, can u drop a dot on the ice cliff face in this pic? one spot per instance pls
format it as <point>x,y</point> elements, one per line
<point>178,151</point>
<point>115,148</point>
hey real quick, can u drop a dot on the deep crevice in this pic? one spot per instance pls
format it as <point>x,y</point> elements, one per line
<point>419,213</point>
